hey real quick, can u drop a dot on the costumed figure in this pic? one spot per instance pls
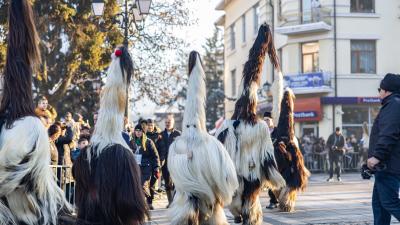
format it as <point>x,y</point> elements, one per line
<point>201,168</point>
<point>287,153</point>
<point>108,185</point>
<point>29,193</point>
<point>247,138</point>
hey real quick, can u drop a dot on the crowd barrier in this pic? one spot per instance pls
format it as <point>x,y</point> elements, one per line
<point>319,162</point>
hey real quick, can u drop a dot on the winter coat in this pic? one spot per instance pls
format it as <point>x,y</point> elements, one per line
<point>166,141</point>
<point>156,137</point>
<point>335,147</point>
<point>53,154</point>
<point>64,156</point>
<point>150,158</point>
<point>384,143</point>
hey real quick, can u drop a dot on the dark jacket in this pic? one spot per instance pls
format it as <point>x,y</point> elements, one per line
<point>150,159</point>
<point>166,141</point>
<point>385,135</point>
<point>63,151</point>
<point>156,138</point>
<point>335,144</point>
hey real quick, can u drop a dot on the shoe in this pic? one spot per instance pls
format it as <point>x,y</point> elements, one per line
<point>272,206</point>
<point>330,179</point>
<point>238,219</point>
<point>339,179</point>
<point>151,207</point>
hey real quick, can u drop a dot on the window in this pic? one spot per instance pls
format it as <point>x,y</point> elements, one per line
<point>306,11</point>
<point>310,57</point>
<point>244,28</point>
<point>256,18</point>
<point>362,6</point>
<point>363,56</point>
<point>354,116</point>
<point>233,82</point>
<point>232,36</point>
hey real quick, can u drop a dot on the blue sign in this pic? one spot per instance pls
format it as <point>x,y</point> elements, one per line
<point>303,115</point>
<point>307,80</point>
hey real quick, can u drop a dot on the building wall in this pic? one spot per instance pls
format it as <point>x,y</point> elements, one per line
<point>381,26</point>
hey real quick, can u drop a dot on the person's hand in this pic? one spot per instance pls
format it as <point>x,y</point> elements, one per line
<point>372,162</point>
<point>157,173</point>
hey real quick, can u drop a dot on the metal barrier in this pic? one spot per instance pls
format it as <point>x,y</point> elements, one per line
<point>65,181</point>
<point>319,162</point>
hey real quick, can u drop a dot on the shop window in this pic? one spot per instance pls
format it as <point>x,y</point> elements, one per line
<point>310,57</point>
<point>363,56</point>
<point>354,116</point>
<point>362,6</point>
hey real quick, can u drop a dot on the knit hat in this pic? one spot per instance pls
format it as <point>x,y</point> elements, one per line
<point>391,82</point>
<point>268,114</point>
<point>139,127</point>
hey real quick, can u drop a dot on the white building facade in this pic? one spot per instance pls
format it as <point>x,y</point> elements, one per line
<point>334,70</point>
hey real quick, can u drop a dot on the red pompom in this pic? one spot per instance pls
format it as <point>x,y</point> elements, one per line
<point>118,53</point>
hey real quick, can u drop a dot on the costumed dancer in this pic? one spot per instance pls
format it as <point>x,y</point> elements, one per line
<point>288,155</point>
<point>201,168</point>
<point>248,140</point>
<point>28,190</point>
<point>108,185</point>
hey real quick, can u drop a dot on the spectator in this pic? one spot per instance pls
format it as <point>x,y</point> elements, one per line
<point>384,152</point>
<point>147,157</point>
<point>45,117</point>
<point>143,122</point>
<point>85,132</point>
<point>153,133</point>
<point>76,130</point>
<point>364,144</point>
<point>348,147</point>
<point>54,132</point>
<point>335,145</point>
<point>43,106</point>
<point>82,144</point>
<point>167,137</point>
<point>354,143</point>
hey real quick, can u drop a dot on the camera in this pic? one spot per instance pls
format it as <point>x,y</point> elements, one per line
<point>366,173</point>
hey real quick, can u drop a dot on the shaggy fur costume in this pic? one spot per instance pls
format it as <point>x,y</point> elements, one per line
<point>29,193</point>
<point>200,167</point>
<point>247,138</point>
<point>108,186</point>
<point>289,158</point>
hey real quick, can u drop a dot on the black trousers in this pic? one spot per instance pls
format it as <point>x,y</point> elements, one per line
<point>272,198</point>
<point>335,159</point>
<point>169,185</point>
<point>153,188</point>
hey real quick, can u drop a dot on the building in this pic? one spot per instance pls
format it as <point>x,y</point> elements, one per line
<point>333,54</point>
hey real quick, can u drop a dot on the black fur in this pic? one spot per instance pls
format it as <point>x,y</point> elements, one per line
<point>109,190</point>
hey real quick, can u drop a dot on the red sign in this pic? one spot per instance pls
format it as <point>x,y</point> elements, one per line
<point>307,109</point>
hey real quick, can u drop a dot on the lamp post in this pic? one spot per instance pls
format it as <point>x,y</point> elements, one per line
<point>134,11</point>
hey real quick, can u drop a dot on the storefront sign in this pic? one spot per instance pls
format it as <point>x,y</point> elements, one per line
<point>307,109</point>
<point>350,100</point>
<point>305,115</point>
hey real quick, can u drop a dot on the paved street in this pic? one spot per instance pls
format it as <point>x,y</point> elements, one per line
<point>346,202</point>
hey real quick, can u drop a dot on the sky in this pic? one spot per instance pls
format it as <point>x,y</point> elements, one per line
<point>206,15</point>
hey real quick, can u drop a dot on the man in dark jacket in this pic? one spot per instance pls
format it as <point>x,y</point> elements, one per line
<point>167,137</point>
<point>335,145</point>
<point>153,133</point>
<point>384,152</point>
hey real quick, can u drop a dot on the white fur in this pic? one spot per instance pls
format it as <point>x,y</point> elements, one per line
<point>248,148</point>
<point>277,96</point>
<point>110,121</point>
<point>28,134</point>
<point>198,163</point>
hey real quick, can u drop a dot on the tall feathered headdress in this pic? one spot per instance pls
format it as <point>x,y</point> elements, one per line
<point>23,56</point>
<point>110,121</point>
<point>246,105</point>
<point>194,116</point>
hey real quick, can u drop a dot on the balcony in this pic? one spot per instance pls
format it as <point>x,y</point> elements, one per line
<point>309,83</point>
<point>309,21</point>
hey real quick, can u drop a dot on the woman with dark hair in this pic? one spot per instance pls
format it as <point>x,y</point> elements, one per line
<point>28,191</point>
<point>147,157</point>
<point>108,185</point>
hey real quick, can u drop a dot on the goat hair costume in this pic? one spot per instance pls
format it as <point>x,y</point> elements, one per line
<point>29,193</point>
<point>201,169</point>
<point>108,186</point>
<point>288,155</point>
<point>247,137</point>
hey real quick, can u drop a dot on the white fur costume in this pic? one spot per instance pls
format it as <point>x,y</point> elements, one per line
<point>201,169</point>
<point>27,182</point>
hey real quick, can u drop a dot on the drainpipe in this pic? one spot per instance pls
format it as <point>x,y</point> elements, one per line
<point>335,63</point>
<point>273,31</point>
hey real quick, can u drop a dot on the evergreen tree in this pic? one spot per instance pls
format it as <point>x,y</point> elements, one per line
<point>213,61</point>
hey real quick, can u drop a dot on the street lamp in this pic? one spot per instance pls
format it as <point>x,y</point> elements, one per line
<point>144,6</point>
<point>98,7</point>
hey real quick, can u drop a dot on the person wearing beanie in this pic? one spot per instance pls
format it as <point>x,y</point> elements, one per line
<point>384,152</point>
<point>146,156</point>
